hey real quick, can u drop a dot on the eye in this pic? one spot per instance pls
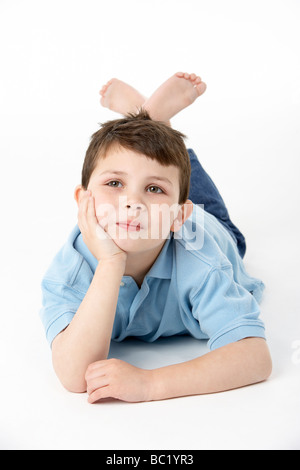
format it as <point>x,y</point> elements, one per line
<point>155,190</point>
<point>114,184</point>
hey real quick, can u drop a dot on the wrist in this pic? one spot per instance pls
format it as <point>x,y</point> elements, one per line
<point>117,263</point>
<point>149,393</point>
<point>154,388</point>
<point>167,382</point>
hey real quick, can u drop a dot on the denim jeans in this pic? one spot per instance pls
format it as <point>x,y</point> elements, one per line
<point>203,191</point>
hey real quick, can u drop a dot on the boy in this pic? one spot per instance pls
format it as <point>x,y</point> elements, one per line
<point>132,267</point>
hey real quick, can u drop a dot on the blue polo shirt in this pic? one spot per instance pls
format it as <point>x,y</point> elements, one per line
<point>198,285</point>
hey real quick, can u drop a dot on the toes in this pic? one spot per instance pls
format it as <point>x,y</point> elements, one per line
<point>192,77</point>
<point>103,90</point>
<point>106,86</point>
<point>182,75</point>
<point>196,79</point>
<point>201,87</point>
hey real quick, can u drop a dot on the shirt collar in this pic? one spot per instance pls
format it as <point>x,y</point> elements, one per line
<point>163,266</point>
<point>161,269</point>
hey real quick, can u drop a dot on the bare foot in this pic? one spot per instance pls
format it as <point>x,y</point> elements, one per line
<point>178,92</point>
<point>120,97</point>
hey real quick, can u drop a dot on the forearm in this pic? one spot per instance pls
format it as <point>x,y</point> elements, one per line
<point>235,365</point>
<point>87,338</point>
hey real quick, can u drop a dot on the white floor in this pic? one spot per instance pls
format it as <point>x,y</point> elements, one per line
<point>37,413</point>
<point>246,133</point>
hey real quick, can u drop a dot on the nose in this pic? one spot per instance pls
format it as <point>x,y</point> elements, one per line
<point>132,203</point>
<point>134,206</point>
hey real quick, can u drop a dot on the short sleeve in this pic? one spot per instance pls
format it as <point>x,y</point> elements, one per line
<point>225,310</point>
<point>60,304</point>
<point>64,286</point>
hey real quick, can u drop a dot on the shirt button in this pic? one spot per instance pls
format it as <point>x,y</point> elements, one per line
<point>122,284</point>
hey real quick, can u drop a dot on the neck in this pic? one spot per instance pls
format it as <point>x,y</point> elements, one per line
<point>139,264</point>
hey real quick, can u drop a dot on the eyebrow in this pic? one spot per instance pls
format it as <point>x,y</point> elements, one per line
<point>123,173</point>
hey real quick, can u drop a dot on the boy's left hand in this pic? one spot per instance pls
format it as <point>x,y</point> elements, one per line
<point>117,379</point>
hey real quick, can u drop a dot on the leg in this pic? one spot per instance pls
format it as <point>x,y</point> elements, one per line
<point>175,94</point>
<point>204,191</point>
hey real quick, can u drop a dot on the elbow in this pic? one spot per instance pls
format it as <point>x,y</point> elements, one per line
<point>256,360</point>
<point>72,382</point>
<point>265,361</point>
<point>267,366</point>
<point>262,361</point>
<point>74,387</point>
<point>69,376</point>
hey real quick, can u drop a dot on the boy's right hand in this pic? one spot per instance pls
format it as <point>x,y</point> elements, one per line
<point>100,244</point>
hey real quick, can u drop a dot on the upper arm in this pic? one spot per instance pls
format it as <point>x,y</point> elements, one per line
<point>60,304</point>
<point>225,310</point>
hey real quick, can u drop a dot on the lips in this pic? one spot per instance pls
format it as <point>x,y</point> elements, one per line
<point>130,226</point>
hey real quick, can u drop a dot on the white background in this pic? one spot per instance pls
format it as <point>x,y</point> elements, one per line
<point>54,57</point>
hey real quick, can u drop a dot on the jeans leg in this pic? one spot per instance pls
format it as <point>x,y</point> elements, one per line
<point>204,191</point>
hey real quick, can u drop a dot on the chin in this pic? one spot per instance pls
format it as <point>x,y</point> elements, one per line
<point>129,245</point>
<point>139,245</point>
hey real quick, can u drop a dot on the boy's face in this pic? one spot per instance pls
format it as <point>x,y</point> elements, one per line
<point>136,199</point>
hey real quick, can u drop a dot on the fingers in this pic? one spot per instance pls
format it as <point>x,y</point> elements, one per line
<point>91,214</point>
<point>101,233</point>
<point>97,381</point>
<point>82,205</point>
<point>86,212</point>
<point>99,394</point>
<point>94,369</point>
<point>95,234</point>
<point>114,378</point>
<point>99,368</point>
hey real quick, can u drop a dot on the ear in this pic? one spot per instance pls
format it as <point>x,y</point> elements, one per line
<point>79,190</point>
<point>184,213</point>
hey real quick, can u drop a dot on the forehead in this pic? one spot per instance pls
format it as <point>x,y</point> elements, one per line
<point>139,165</point>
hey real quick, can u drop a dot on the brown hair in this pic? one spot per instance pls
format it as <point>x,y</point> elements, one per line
<point>138,132</point>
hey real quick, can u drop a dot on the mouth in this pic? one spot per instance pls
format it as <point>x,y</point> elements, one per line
<point>130,226</point>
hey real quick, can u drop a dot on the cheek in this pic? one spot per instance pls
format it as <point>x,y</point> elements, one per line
<point>104,209</point>
<point>161,221</point>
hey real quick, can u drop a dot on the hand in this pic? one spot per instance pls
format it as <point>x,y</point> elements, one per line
<point>100,244</point>
<point>117,379</point>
